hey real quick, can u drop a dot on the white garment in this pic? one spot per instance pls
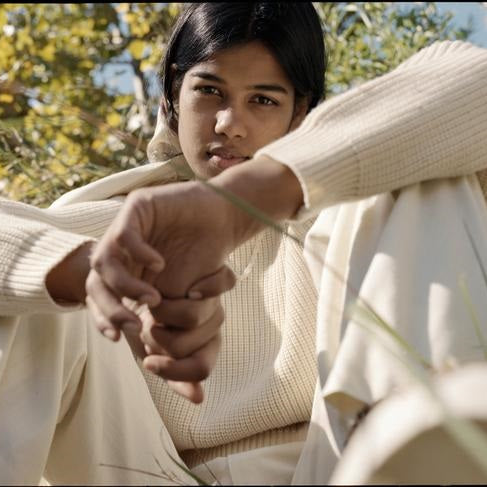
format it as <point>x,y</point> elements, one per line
<point>75,407</point>
<point>404,258</point>
<point>449,140</point>
<point>410,438</point>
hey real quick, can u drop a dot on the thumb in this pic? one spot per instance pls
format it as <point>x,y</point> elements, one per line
<point>213,285</point>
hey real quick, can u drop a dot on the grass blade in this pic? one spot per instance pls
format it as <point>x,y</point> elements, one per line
<point>476,252</point>
<point>476,323</point>
<point>145,472</point>
<point>371,316</point>
<point>185,469</point>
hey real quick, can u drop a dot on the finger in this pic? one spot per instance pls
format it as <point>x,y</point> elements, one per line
<point>132,336</point>
<point>213,285</point>
<point>185,313</point>
<point>131,244</point>
<point>103,326</point>
<point>141,252</point>
<point>108,308</point>
<point>150,276</point>
<point>122,283</point>
<point>135,343</point>
<point>195,368</point>
<point>192,391</point>
<point>181,343</point>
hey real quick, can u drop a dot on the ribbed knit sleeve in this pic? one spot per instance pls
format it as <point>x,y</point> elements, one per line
<point>33,241</point>
<point>425,119</point>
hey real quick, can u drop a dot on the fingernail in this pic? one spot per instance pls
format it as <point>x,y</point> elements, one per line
<point>110,333</point>
<point>157,266</point>
<point>151,367</point>
<point>148,350</point>
<point>195,295</point>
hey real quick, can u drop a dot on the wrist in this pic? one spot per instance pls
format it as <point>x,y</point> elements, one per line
<point>66,281</point>
<point>267,186</point>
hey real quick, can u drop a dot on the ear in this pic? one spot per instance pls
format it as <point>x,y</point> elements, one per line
<point>299,114</point>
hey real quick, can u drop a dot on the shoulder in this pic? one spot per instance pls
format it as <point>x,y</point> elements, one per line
<point>121,183</point>
<point>444,50</point>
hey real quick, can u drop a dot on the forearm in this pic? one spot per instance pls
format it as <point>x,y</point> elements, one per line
<point>268,186</point>
<point>65,282</point>
<point>426,119</point>
<point>34,242</point>
<point>26,258</point>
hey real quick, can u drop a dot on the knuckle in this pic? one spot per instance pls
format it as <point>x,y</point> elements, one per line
<point>177,349</point>
<point>119,237</point>
<point>202,371</point>
<point>117,316</point>
<point>133,198</point>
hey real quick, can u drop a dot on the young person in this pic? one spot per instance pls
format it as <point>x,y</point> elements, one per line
<point>329,142</point>
<point>275,90</point>
<point>258,398</point>
<point>414,288</point>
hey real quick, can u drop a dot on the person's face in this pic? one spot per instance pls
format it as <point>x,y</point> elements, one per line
<point>232,105</point>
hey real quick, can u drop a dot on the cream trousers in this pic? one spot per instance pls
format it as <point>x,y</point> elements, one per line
<point>75,408</point>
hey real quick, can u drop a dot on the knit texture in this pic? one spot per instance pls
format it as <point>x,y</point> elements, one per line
<point>33,241</point>
<point>265,375</point>
<point>426,119</point>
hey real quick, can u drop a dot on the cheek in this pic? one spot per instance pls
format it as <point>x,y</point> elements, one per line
<point>272,127</point>
<point>194,131</point>
<point>192,124</point>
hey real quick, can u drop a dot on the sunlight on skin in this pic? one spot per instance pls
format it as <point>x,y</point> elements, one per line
<point>227,113</point>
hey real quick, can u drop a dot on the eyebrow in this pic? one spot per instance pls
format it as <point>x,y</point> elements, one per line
<point>265,87</point>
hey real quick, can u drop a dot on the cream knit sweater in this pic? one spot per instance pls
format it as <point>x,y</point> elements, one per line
<point>426,119</point>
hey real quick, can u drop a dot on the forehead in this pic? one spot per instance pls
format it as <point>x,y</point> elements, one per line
<point>246,64</point>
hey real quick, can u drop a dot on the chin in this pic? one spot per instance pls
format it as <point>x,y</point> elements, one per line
<point>205,171</point>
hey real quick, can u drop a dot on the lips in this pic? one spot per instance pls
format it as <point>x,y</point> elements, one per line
<point>223,158</point>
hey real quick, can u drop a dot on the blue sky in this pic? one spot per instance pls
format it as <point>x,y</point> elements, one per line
<point>462,11</point>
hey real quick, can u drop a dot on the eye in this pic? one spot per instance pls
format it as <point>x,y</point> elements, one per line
<point>208,90</point>
<point>264,100</point>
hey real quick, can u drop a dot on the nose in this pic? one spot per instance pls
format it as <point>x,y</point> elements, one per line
<point>231,123</point>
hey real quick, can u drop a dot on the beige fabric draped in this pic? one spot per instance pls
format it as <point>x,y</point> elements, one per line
<point>405,258</point>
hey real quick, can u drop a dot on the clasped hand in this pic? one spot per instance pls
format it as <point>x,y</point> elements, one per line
<point>164,254</point>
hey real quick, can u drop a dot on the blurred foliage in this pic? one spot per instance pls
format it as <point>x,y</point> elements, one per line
<point>367,39</point>
<point>64,124</point>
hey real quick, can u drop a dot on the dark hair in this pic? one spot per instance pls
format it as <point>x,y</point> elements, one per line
<point>292,32</point>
